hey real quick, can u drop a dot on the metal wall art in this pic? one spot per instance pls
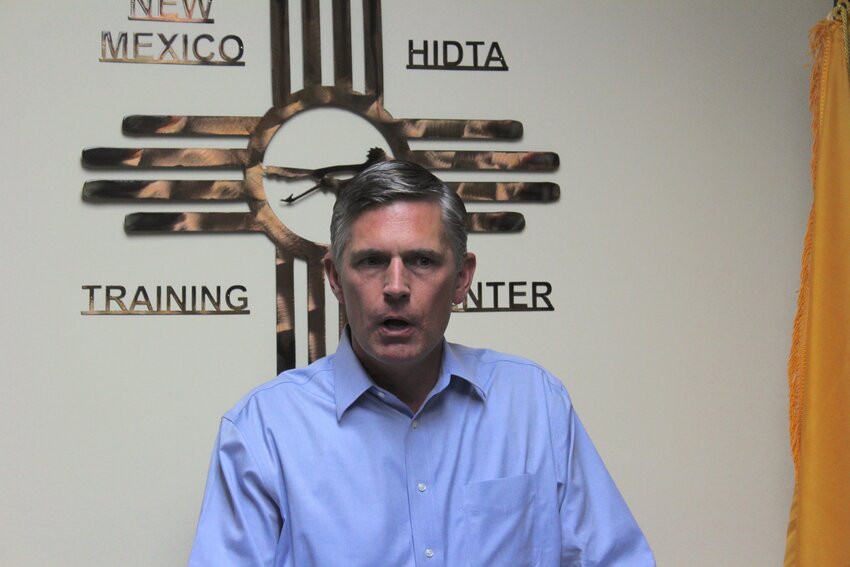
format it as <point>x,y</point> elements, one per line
<point>261,216</point>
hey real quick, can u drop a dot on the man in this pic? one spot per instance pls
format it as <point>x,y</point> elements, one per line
<point>402,449</point>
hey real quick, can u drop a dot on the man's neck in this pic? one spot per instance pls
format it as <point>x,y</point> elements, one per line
<point>409,383</point>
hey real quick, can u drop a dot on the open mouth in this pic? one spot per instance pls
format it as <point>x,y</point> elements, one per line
<point>395,324</point>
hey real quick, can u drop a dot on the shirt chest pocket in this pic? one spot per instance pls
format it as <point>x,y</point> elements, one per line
<point>500,519</point>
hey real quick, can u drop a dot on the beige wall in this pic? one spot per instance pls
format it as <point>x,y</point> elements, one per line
<point>673,254</point>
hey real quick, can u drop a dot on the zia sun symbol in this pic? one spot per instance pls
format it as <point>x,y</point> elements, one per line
<point>259,130</point>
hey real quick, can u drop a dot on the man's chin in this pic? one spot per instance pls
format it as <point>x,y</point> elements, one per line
<point>399,354</point>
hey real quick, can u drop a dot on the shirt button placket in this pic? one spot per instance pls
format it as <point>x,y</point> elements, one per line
<point>422,516</point>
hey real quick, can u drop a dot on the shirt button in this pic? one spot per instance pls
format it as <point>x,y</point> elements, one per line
<point>429,553</point>
<point>421,486</point>
<point>415,423</point>
<point>381,395</point>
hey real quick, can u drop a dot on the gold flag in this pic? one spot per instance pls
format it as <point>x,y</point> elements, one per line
<point>819,365</point>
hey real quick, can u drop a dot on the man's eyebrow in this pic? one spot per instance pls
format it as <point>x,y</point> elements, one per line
<point>367,252</point>
<point>424,252</point>
<point>363,252</point>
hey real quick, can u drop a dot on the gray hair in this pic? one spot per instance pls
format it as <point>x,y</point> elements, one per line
<point>385,182</point>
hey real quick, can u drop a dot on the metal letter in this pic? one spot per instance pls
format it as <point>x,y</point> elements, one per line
<point>181,300</point>
<point>117,299</point>
<point>167,49</point>
<point>163,4</point>
<point>106,40</point>
<point>91,289</point>
<point>459,53</point>
<point>495,54</point>
<point>205,10</point>
<point>239,44</point>
<point>495,286</point>
<point>413,52</point>
<point>207,294</point>
<point>206,58</point>
<point>475,45</point>
<point>476,299</point>
<point>145,9</point>
<point>241,301</point>
<point>188,10</point>
<point>514,293</point>
<point>141,297</point>
<point>137,44</point>
<point>544,295</point>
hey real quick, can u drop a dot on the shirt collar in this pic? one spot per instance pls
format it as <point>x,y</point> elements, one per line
<point>454,365</point>
<point>351,380</point>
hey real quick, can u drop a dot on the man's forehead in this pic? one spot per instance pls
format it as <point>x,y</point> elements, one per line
<point>425,201</point>
<point>403,223</point>
<point>422,215</point>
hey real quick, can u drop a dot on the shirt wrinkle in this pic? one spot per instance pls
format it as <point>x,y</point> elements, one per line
<point>267,482</point>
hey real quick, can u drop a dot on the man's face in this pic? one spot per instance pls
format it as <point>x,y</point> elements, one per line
<point>397,280</point>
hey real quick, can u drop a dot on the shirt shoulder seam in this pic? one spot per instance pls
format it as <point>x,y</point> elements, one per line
<point>280,381</point>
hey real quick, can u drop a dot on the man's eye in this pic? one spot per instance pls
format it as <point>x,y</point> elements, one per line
<point>423,261</point>
<point>370,261</point>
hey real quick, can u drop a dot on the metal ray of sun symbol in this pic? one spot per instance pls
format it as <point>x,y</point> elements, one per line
<point>259,131</point>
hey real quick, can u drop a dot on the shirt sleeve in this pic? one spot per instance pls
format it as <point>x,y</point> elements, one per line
<point>597,528</point>
<point>240,520</point>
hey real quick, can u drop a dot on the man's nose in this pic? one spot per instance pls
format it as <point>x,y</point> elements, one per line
<point>395,280</point>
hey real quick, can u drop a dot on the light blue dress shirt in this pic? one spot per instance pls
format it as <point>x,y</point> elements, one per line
<point>321,468</point>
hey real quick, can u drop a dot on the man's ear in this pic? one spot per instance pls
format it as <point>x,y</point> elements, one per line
<point>333,277</point>
<point>464,277</point>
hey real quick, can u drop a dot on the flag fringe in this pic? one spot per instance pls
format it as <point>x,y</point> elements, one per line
<point>820,39</point>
